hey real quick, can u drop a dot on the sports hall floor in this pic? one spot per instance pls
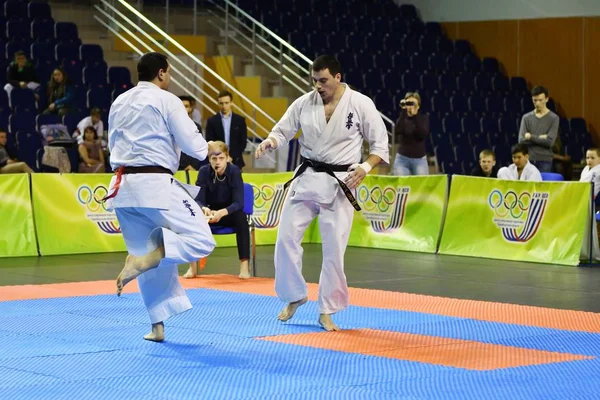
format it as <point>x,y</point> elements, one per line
<point>420,327</point>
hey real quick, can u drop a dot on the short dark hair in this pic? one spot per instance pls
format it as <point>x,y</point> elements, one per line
<point>19,53</point>
<point>149,65</point>
<point>519,148</point>
<point>539,90</point>
<point>186,98</point>
<point>225,93</point>
<point>327,62</point>
<point>95,111</point>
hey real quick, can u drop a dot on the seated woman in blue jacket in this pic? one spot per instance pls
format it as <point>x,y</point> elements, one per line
<point>222,200</point>
<point>60,94</point>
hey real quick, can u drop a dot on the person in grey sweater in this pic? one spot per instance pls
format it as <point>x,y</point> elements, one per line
<point>539,129</point>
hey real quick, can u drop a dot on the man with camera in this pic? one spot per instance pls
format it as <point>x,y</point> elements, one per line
<point>411,131</point>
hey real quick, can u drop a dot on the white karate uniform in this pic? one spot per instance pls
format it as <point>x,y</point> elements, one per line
<point>530,173</point>
<point>147,127</point>
<point>591,175</point>
<point>336,142</point>
<point>84,123</point>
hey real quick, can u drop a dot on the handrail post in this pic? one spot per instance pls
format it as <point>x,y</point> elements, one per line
<point>253,48</point>
<point>167,17</point>
<point>280,66</point>
<point>195,16</point>
<point>226,27</point>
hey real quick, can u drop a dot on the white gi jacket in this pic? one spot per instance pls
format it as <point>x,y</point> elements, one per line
<point>337,142</point>
<point>530,173</point>
<point>592,175</point>
<point>149,126</point>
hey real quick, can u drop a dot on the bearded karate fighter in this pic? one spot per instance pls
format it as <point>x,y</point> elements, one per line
<point>335,120</point>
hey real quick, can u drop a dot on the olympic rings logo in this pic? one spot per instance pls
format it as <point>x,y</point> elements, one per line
<point>509,203</point>
<point>92,199</point>
<point>376,199</point>
<point>262,195</point>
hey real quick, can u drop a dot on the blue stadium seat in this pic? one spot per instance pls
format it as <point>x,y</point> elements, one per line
<point>500,83</point>
<point>445,46</point>
<point>466,84</point>
<point>400,62</point>
<point>434,29</point>
<point>552,177</point>
<point>451,123</point>
<point>410,44</point>
<point>464,153</point>
<point>74,71</point>
<point>526,104</point>
<point>17,45</point>
<point>21,122</point>
<point>44,70</point>
<point>91,54</point>
<point>429,82</point>
<point>120,76</point>
<point>23,99</point>
<point>470,124</point>
<point>28,144</point>
<point>436,62</point>
<point>508,124</point>
<point>477,104</point>
<point>42,52</point>
<point>489,124</point>
<point>72,119</point>
<point>66,52</point>
<point>578,125</point>
<point>468,166</point>
<point>512,105</point>
<point>40,11</point>
<point>15,9</point>
<point>451,167</point>
<point>428,44</point>
<point>444,153</point>
<point>462,47</point>
<point>117,92</point>
<point>459,139</point>
<point>483,83</point>
<point>18,29</point>
<point>42,31</point>
<point>50,119</point>
<point>459,103</point>
<point>435,124</point>
<point>479,141</point>
<point>518,85</point>
<point>472,63</point>
<point>66,32</point>
<point>490,65</point>
<point>448,83</point>
<point>498,138</point>
<point>411,81</point>
<point>455,63</point>
<point>495,104</point>
<point>503,153</point>
<point>441,104</point>
<point>419,62</point>
<point>99,97</point>
<point>95,74</point>
<point>576,152</point>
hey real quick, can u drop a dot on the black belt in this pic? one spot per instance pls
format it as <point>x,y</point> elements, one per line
<point>328,169</point>
<point>153,169</point>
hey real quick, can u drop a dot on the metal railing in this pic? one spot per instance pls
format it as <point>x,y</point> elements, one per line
<point>270,50</point>
<point>115,21</point>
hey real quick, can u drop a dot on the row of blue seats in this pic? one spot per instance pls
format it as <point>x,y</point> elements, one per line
<point>418,62</point>
<point>501,150</point>
<point>19,9</point>
<point>24,114</point>
<point>90,76</point>
<point>38,30</point>
<point>454,123</point>
<point>88,53</point>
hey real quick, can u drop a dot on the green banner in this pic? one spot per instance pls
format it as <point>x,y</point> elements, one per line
<point>70,218</point>
<point>516,220</point>
<point>18,230</point>
<point>398,213</point>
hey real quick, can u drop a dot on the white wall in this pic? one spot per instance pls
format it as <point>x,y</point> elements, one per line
<point>486,10</point>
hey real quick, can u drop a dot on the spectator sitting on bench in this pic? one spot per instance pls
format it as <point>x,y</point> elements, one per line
<point>487,165</point>
<point>92,156</point>
<point>8,161</point>
<point>521,169</point>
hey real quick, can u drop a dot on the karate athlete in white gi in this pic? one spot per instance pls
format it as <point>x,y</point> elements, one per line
<point>161,223</point>
<point>334,120</point>
<point>521,169</point>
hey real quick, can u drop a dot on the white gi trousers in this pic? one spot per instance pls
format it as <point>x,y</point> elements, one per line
<point>335,222</point>
<point>186,236</point>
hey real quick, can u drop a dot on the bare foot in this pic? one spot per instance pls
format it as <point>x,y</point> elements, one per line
<point>157,334</point>
<point>191,272</point>
<point>327,324</point>
<point>135,266</point>
<point>289,310</point>
<point>244,270</point>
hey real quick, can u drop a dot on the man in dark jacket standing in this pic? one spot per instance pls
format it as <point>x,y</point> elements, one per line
<point>229,128</point>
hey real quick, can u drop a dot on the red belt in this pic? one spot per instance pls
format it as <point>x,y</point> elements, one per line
<point>134,170</point>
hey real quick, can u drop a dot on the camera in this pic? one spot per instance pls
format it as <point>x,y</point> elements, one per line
<point>408,103</point>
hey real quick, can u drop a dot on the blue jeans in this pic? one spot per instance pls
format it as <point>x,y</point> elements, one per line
<point>543,166</point>
<point>405,166</point>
